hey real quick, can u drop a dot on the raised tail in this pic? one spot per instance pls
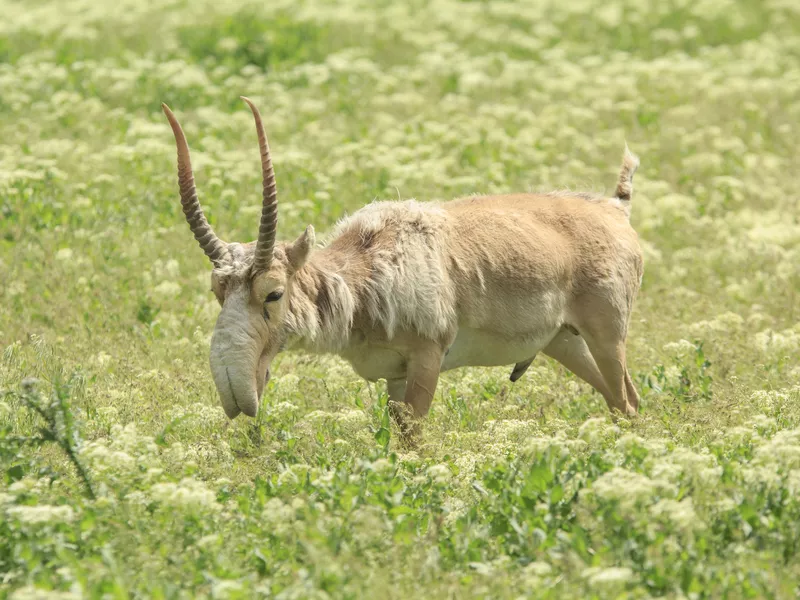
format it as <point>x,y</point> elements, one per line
<point>625,182</point>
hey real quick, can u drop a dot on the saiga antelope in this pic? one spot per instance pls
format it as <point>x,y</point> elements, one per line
<point>406,290</point>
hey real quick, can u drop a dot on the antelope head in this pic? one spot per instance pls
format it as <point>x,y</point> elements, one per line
<point>252,282</point>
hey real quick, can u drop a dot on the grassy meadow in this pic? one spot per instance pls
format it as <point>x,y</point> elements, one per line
<point>119,474</point>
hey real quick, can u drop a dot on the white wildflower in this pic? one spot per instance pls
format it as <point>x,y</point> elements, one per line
<point>782,450</point>
<point>209,541</point>
<point>628,488</point>
<point>42,513</point>
<point>725,323</point>
<point>439,473</point>
<point>23,486</point>
<point>629,442</point>
<point>610,576</point>
<point>763,424</point>
<point>65,254</point>
<point>16,288</point>
<point>381,466</point>
<point>538,568</point>
<point>769,400</point>
<point>101,359</point>
<point>769,341</point>
<point>137,498</point>
<point>352,418</point>
<point>30,592</point>
<point>278,515</point>
<point>681,514</point>
<point>596,430</point>
<point>189,493</point>
<point>225,588</point>
<point>281,409</point>
<point>167,289</point>
<point>681,348</point>
<point>700,467</point>
<point>227,44</point>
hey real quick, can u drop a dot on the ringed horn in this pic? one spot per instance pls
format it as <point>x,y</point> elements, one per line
<point>269,208</point>
<point>214,247</point>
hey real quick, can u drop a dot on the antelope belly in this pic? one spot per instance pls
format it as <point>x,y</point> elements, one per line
<point>480,348</point>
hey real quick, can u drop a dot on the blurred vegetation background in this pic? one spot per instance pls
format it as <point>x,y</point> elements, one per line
<point>524,490</point>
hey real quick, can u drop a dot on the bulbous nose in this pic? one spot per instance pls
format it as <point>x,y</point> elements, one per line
<point>250,409</point>
<point>238,358</point>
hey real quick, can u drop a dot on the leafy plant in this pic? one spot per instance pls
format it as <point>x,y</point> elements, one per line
<point>692,382</point>
<point>57,425</point>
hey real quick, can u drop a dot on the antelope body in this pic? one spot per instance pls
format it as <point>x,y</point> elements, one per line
<point>405,290</point>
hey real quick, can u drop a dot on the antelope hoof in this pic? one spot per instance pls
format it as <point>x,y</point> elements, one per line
<point>520,368</point>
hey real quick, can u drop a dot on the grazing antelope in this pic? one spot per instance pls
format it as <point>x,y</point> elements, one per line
<point>406,290</point>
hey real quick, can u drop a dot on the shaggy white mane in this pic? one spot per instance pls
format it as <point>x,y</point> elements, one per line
<point>407,287</point>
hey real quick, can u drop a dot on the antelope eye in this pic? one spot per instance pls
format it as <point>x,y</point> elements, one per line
<point>274,296</point>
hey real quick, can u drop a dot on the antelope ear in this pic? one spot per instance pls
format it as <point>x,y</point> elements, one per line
<point>297,252</point>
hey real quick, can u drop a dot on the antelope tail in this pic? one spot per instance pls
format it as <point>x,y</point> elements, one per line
<point>625,182</point>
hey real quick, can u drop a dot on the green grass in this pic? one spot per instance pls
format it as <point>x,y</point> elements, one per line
<point>524,490</point>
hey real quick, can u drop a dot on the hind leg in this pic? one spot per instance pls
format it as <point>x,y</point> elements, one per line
<point>610,359</point>
<point>604,331</point>
<point>633,396</point>
<point>571,351</point>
